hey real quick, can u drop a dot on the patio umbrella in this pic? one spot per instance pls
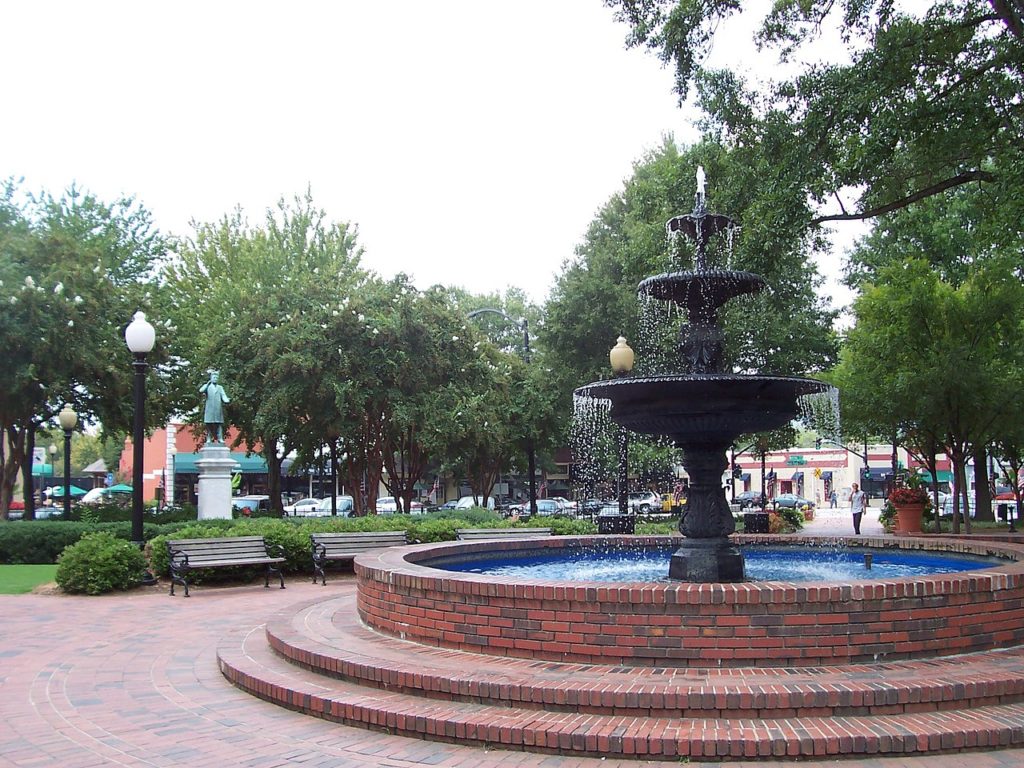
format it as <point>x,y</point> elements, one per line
<point>57,491</point>
<point>120,488</point>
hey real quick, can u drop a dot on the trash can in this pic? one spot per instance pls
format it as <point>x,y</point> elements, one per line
<point>616,524</point>
<point>755,522</point>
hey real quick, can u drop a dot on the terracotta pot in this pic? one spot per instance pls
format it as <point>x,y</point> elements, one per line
<point>908,517</point>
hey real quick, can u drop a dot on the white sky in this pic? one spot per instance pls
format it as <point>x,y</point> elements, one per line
<point>471,142</point>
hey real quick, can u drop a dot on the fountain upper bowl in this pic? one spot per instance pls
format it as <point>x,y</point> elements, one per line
<point>703,407</point>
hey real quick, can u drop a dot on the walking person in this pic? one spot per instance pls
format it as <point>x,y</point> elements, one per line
<point>858,500</point>
<point>833,498</point>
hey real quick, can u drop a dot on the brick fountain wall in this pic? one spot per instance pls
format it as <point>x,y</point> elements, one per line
<point>697,625</point>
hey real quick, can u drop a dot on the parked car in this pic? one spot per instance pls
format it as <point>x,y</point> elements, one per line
<point>792,501</point>
<point>386,505</point>
<point>450,504</point>
<point>467,502</point>
<point>644,502</point>
<point>749,499</point>
<point>345,507</point>
<point>302,506</point>
<point>251,503</point>
<point>591,507</point>
<point>565,504</point>
<point>548,507</point>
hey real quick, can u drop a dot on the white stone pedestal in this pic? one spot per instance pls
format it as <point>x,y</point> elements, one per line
<point>215,466</point>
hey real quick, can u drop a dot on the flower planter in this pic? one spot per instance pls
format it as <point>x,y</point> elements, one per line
<point>908,518</point>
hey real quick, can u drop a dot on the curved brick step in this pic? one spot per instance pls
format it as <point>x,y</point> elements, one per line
<point>328,638</point>
<point>247,661</point>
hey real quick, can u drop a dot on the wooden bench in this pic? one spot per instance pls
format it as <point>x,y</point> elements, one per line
<point>328,547</point>
<point>471,534</point>
<point>192,554</point>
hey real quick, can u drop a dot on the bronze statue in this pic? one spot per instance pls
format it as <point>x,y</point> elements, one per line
<point>213,415</point>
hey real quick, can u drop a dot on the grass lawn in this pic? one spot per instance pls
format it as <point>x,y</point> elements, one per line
<point>19,579</point>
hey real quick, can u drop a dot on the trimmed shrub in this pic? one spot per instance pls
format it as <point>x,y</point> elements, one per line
<point>658,528</point>
<point>99,563</point>
<point>564,526</point>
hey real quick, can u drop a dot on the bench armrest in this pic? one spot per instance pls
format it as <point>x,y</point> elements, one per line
<point>274,550</point>
<point>178,558</point>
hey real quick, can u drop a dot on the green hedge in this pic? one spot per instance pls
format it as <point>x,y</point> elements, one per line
<point>42,541</point>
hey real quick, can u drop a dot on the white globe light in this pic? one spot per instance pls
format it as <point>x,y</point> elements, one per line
<point>139,335</point>
<point>67,418</point>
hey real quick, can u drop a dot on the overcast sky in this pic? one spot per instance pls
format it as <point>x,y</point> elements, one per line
<point>471,142</point>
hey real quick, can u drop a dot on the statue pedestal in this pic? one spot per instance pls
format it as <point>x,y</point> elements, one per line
<point>215,466</point>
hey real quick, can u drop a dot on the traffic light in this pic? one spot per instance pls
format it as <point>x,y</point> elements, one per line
<point>737,473</point>
<point>817,443</point>
<point>865,474</point>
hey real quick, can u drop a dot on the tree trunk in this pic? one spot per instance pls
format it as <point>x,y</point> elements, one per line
<point>273,477</point>
<point>982,490</point>
<point>10,468</point>
<point>405,463</point>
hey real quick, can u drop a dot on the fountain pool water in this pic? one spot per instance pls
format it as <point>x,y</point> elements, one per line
<point>763,563</point>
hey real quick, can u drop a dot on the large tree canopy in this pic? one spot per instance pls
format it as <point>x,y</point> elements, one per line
<point>916,103</point>
<point>785,330</point>
<point>73,270</point>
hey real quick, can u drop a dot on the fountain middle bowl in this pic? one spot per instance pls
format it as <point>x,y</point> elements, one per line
<point>680,624</point>
<point>698,406</point>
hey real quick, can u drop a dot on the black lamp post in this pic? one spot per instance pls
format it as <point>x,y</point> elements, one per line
<point>53,471</point>
<point>140,337</point>
<point>531,458</point>
<point>622,358</point>
<point>68,419</point>
<point>332,436</point>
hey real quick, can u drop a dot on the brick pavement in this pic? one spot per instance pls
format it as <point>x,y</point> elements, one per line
<point>132,680</point>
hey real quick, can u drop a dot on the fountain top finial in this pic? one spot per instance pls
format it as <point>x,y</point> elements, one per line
<point>698,204</point>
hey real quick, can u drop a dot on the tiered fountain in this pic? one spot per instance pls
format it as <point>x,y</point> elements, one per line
<point>667,670</point>
<point>703,409</point>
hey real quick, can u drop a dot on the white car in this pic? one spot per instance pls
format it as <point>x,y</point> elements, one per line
<point>565,504</point>
<point>468,502</point>
<point>302,507</point>
<point>344,507</point>
<point>93,496</point>
<point>386,505</point>
<point>644,502</point>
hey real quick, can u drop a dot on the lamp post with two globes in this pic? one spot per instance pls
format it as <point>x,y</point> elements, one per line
<point>140,338</point>
<point>68,419</point>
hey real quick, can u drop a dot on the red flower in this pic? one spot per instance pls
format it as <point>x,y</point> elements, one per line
<point>908,496</point>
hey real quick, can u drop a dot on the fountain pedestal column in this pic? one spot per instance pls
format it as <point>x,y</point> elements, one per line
<point>707,554</point>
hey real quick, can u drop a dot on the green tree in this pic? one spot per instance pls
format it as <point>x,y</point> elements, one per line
<point>263,305</point>
<point>73,270</point>
<point>785,330</point>
<point>911,328</point>
<point>918,101</point>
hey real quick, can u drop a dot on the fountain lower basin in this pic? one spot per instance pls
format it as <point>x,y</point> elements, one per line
<point>679,624</point>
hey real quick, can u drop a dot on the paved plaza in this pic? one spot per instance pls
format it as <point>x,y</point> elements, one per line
<point>132,680</point>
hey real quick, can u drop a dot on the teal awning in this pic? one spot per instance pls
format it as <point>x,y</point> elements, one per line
<point>42,470</point>
<point>945,476</point>
<point>185,464</point>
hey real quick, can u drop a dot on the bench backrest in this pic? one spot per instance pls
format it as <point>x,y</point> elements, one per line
<point>227,548</point>
<point>466,534</point>
<point>357,541</point>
